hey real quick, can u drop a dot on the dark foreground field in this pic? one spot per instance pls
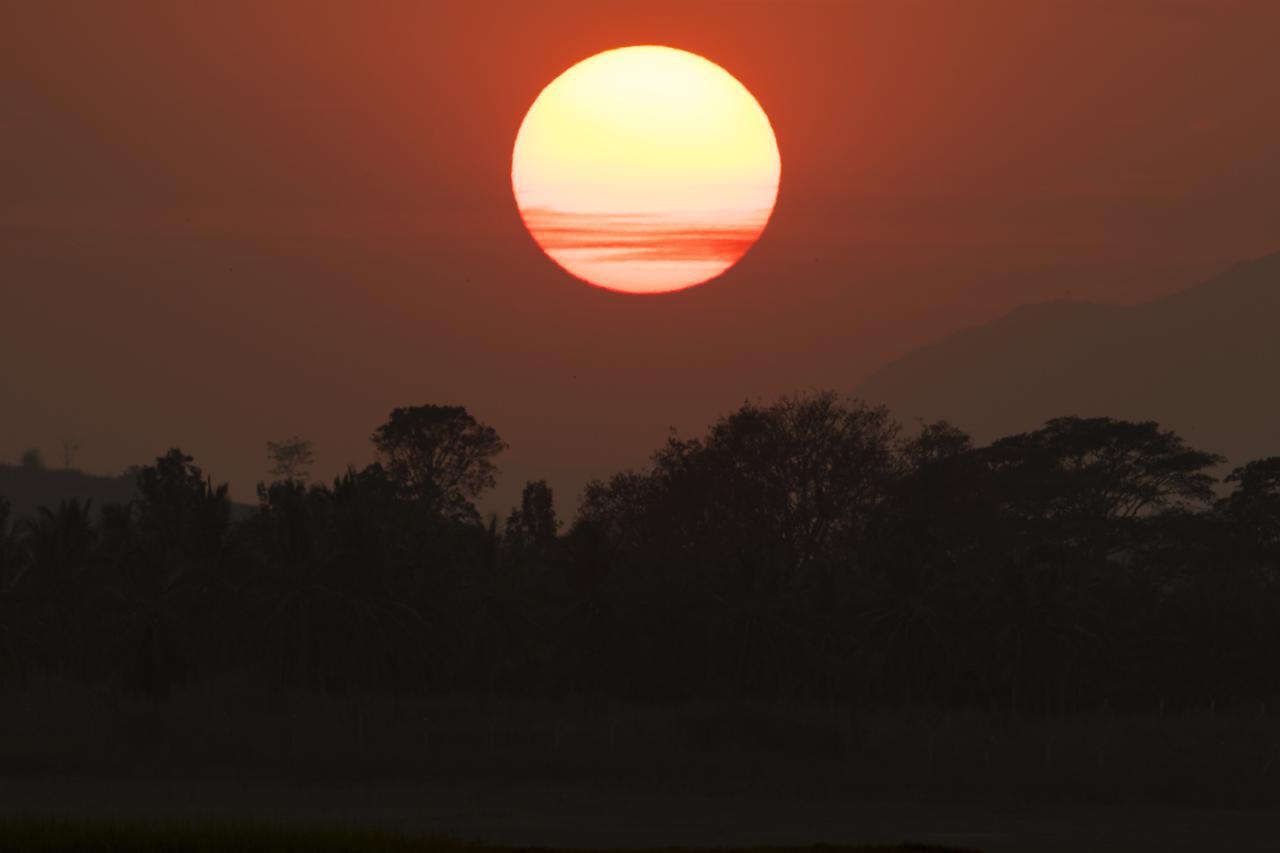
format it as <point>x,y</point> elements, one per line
<point>592,818</point>
<point>524,774</point>
<point>44,835</point>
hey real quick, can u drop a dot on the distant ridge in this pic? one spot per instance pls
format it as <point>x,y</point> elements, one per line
<point>28,488</point>
<point>1205,362</point>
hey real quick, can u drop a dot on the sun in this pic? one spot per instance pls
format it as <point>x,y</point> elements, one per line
<point>645,169</point>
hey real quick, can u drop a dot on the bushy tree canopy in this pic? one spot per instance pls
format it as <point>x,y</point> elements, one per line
<point>801,550</point>
<point>439,456</point>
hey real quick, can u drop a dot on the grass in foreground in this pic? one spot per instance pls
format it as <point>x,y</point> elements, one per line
<point>49,835</point>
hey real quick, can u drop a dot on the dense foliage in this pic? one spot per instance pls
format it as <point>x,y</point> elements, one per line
<point>803,551</point>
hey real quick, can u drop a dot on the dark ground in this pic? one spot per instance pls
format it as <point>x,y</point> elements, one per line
<point>649,777</point>
<point>549,815</point>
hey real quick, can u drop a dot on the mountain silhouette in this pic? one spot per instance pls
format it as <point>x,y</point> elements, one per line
<point>1204,362</point>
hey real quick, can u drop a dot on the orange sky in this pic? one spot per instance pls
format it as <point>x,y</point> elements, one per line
<point>233,222</point>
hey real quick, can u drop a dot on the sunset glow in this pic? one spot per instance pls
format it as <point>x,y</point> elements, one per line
<point>645,170</point>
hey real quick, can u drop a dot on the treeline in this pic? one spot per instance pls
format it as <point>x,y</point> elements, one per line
<point>804,551</point>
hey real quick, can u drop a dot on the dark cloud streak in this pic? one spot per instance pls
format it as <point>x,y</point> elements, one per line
<point>644,237</point>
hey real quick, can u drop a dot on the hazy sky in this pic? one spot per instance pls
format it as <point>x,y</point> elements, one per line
<point>222,223</point>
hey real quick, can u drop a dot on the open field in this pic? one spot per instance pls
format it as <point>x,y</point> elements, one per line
<point>1185,758</point>
<point>526,774</point>
<point>590,817</point>
<point>37,835</point>
<point>44,835</point>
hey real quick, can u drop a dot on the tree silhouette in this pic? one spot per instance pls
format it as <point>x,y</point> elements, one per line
<point>533,525</point>
<point>178,508</point>
<point>1253,508</point>
<point>19,621</point>
<point>183,522</point>
<point>323,609</point>
<point>439,457</point>
<point>1093,480</point>
<point>9,553</point>
<point>802,550</point>
<point>58,542</point>
<point>291,458</point>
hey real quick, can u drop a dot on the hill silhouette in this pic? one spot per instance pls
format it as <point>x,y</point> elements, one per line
<point>1199,361</point>
<point>28,488</point>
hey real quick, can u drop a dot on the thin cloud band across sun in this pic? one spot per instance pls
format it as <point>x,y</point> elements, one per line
<point>645,170</point>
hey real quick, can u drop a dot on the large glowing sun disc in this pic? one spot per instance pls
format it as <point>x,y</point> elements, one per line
<point>645,169</point>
